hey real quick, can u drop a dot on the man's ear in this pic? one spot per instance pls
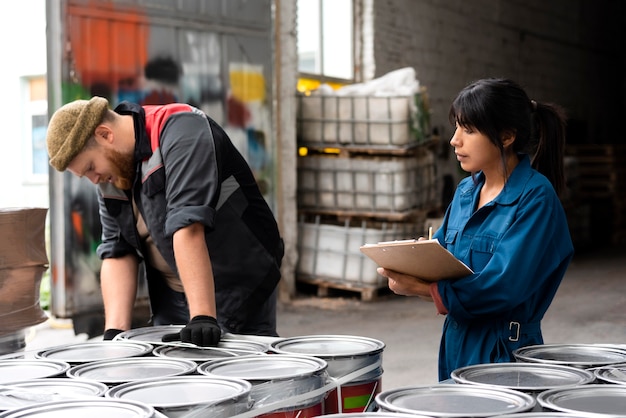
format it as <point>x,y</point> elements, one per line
<point>103,134</point>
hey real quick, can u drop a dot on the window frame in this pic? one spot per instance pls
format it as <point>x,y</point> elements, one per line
<point>324,75</point>
<point>33,107</point>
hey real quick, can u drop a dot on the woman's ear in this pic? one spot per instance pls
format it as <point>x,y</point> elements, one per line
<point>508,138</point>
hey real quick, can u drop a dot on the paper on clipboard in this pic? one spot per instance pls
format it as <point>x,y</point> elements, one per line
<point>425,259</point>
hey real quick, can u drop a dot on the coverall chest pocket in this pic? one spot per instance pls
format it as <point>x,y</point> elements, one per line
<point>450,239</point>
<point>481,251</point>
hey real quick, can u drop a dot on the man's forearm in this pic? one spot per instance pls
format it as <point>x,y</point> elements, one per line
<point>118,278</point>
<point>194,267</point>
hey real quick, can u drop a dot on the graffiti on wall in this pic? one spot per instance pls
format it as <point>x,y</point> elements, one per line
<point>120,53</point>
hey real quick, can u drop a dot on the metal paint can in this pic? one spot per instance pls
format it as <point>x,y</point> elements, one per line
<point>615,374</point>
<point>594,400</point>
<point>282,385</point>
<point>151,335</point>
<point>355,362</point>
<point>199,354</point>
<point>118,371</point>
<point>154,335</point>
<point>92,408</point>
<point>546,415</point>
<point>194,394</point>
<point>36,391</point>
<point>12,342</point>
<point>531,378</point>
<point>374,415</point>
<point>452,400</point>
<point>244,345</point>
<point>16,370</point>
<point>583,356</point>
<point>95,350</point>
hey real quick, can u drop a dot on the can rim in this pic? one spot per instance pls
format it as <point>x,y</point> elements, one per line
<point>241,388</point>
<point>574,376</point>
<point>366,345</point>
<point>317,366</point>
<point>518,401</point>
<point>55,367</point>
<point>610,352</point>
<point>550,398</point>
<point>133,349</point>
<point>78,371</point>
<point>142,410</point>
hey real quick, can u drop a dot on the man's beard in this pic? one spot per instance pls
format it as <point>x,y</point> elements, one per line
<point>123,167</point>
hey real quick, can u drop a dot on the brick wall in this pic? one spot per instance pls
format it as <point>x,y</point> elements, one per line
<point>567,51</point>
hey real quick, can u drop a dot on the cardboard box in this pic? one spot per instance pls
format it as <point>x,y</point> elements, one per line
<point>23,237</point>
<point>19,298</point>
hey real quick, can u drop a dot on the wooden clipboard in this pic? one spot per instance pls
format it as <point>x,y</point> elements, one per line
<point>425,259</point>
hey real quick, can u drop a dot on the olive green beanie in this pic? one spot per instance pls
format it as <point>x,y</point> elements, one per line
<point>70,127</point>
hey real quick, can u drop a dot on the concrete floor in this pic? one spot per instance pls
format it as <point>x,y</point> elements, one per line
<point>590,307</point>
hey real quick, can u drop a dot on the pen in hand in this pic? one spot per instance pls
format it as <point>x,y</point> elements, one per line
<point>430,232</point>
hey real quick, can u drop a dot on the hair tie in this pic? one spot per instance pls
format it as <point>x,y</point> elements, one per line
<point>533,104</point>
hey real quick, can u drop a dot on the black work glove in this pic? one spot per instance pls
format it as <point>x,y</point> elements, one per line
<point>202,330</point>
<point>110,333</point>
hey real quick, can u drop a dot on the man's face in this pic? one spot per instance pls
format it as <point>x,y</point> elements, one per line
<point>102,164</point>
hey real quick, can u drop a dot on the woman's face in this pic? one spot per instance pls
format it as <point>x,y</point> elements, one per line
<point>474,151</point>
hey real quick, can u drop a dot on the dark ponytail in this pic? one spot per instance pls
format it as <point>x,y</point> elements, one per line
<point>549,130</point>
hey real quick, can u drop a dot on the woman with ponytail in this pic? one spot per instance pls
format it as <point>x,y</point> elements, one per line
<point>505,222</point>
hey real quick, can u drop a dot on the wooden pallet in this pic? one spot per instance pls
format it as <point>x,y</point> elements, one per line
<point>601,169</point>
<point>618,237</point>
<point>412,215</point>
<point>327,288</point>
<point>352,151</point>
<point>597,152</point>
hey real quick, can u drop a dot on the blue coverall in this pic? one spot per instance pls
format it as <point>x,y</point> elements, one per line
<point>519,247</point>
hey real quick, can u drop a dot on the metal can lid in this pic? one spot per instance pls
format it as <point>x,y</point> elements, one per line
<point>182,391</point>
<point>92,408</point>
<point>124,370</point>
<point>151,335</point>
<point>263,368</point>
<point>326,346</point>
<point>451,400</point>
<point>198,354</point>
<point>96,350</point>
<point>545,414</point>
<point>522,376</point>
<point>154,335</point>
<point>577,355</point>
<point>615,373</point>
<point>589,399</point>
<point>36,391</point>
<point>15,370</point>
<point>244,345</point>
<point>374,415</point>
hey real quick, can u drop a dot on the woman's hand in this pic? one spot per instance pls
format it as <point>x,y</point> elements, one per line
<point>403,284</point>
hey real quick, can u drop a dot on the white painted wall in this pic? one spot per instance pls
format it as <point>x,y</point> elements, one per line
<point>23,49</point>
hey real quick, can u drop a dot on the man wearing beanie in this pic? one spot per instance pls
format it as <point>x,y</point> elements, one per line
<point>178,200</point>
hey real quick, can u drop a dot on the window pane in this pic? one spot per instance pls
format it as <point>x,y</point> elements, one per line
<point>325,37</point>
<point>40,156</point>
<point>337,45</point>
<point>309,36</point>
